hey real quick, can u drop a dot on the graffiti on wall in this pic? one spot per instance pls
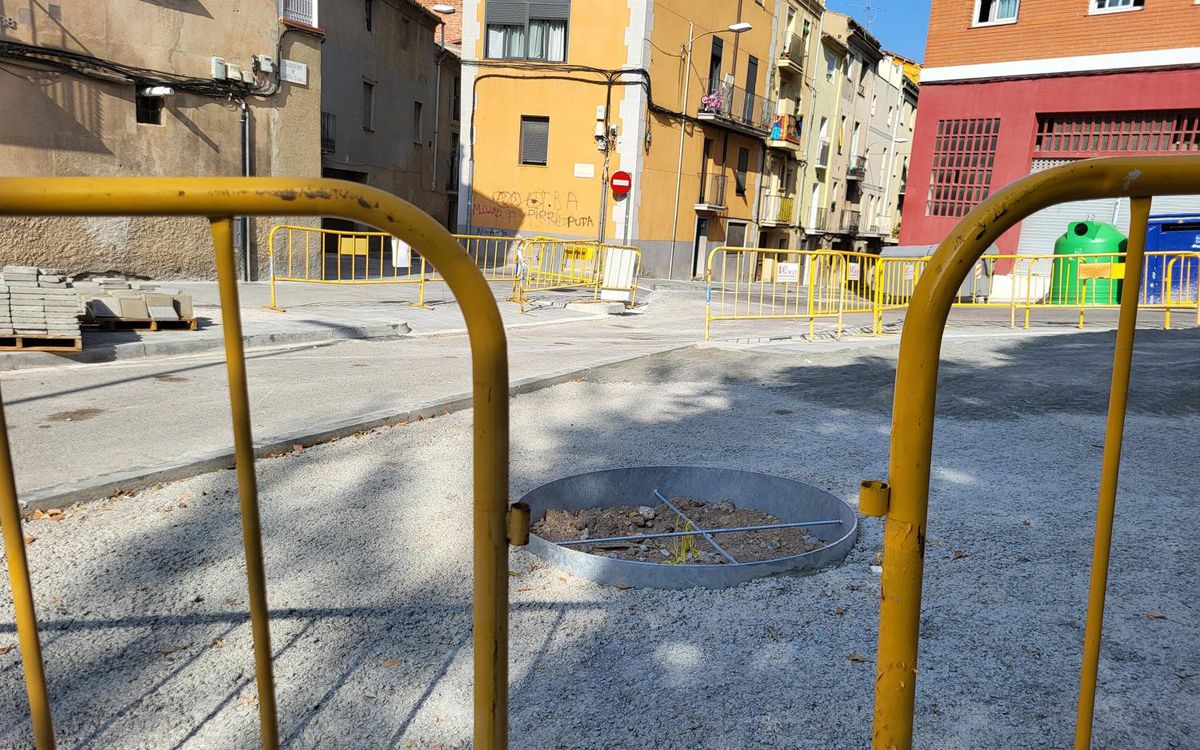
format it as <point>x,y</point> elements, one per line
<point>510,208</point>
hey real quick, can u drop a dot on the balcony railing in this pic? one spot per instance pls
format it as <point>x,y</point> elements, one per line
<point>712,193</point>
<point>300,11</point>
<point>792,57</point>
<point>734,105</point>
<point>785,132</point>
<point>857,168</point>
<point>778,209</point>
<point>851,222</point>
<point>328,132</point>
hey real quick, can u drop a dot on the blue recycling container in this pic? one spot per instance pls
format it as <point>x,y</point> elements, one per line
<point>1174,235</point>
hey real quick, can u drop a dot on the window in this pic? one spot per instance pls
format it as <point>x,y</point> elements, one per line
<point>751,89</point>
<point>369,14</point>
<point>148,109</point>
<point>1118,133</point>
<point>743,166</point>
<point>714,64</point>
<point>300,11</point>
<point>535,139</point>
<point>417,107</point>
<point>841,134</point>
<point>854,140</point>
<point>963,154</point>
<point>405,33</point>
<point>1110,6</point>
<point>891,115</point>
<point>874,103</point>
<point>527,29</point>
<point>368,106</point>
<point>996,11</point>
<point>456,99</point>
<point>830,65</point>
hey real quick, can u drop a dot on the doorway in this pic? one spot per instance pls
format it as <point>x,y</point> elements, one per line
<point>700,249</point>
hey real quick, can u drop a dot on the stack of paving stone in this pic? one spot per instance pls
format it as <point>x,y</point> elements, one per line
<point>114,299</point>
<point>40,302</point>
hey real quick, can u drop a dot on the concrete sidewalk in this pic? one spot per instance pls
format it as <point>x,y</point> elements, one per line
<point>313,314</point>
<point>81,431</point>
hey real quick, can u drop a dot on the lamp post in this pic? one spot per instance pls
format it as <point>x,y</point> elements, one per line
<point>735,28</point>
<point>443,10</point>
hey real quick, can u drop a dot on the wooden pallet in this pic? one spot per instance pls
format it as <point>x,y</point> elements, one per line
<point>25,343</point>
<point>139,324</point>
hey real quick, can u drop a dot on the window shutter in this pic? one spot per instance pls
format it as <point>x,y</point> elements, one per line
<point>535,139</point>
<point>550,10</point>
<point>506,12</point>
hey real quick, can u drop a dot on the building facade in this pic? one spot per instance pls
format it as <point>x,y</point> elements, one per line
<point>559,96</point>
<point>100,89</point>
<point>1012,87</point>
<point>388,118</point>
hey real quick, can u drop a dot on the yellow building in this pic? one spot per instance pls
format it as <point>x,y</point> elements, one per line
<point>558,95</point>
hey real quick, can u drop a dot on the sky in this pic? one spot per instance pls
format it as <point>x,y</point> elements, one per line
<point>900,25</point>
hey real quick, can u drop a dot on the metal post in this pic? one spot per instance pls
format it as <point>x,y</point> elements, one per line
<point>22,593</point>
<point>243,446</point>
<point>683,107</point>
<point>1113,434</point>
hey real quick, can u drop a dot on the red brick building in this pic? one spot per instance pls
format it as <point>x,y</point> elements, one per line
<point>1012,87</point>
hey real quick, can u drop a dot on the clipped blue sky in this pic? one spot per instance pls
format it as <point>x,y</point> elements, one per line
<point>900,25</point>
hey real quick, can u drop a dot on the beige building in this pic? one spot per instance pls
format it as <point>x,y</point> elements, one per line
<point>126,87</point>
<point>389,114</point>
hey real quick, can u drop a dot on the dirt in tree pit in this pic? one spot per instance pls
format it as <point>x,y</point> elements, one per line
<point>629,520</point>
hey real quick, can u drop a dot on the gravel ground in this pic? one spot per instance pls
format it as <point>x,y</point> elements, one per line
<point>142,598</point>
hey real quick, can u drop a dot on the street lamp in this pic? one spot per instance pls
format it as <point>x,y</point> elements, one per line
<point>443,10</point>
<point>740,27</point>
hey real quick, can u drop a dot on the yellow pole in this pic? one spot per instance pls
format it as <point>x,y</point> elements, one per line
<point>243,446</point>
<point>1139,210</point>
<point>22,592</point>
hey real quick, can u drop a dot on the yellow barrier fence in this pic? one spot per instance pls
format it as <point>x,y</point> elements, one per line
<point>495,522</point>
<point>751,283</point>
<point>608,271</point>
<point>904,499</point>
<point>313,255</point>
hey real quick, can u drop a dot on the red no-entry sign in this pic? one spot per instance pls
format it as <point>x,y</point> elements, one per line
<point>621,183</point>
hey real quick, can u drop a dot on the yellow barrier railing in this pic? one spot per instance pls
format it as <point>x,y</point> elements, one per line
<point>313,255</point>
<point>904,500</point>
<point>495,257</point>
<point>607,270</point>
<point>220,199</point>
<point>752,283</point>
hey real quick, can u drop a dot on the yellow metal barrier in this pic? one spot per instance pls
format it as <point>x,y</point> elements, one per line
<point>745,283</point>
<point>495,257</point>
<point>907,502</point>
<point>219,199</point>
<point>752,283</point>
<point>334,256</point>
<point>609,271</point>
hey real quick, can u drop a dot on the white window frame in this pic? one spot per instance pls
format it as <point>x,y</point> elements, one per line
<point>976,23</point>
<point>315,21</point>
<point>1094,10</point>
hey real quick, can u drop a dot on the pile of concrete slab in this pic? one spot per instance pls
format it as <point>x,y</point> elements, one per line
<point>38,302</point>
<point>116,299</point>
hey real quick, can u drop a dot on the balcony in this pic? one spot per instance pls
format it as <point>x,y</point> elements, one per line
<point>736,109</point>
<point>712,194</point>
<point>785,133</point>
<point>778,210</point>
<point>823,154</point>
<point>851,222</point>
<point>792,58</point>
<point>857,168</point>
<point>328,131</point>
<point>300,11</point>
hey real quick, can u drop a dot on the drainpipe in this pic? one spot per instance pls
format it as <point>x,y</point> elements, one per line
<point>437,109</point>
<point>244,221</point>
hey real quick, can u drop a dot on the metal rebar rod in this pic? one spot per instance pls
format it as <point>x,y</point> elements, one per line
<point>664,534</point>
<point>707,537</point>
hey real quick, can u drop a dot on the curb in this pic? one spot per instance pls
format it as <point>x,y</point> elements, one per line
<point>138,479</point>
<point>149,349</point>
